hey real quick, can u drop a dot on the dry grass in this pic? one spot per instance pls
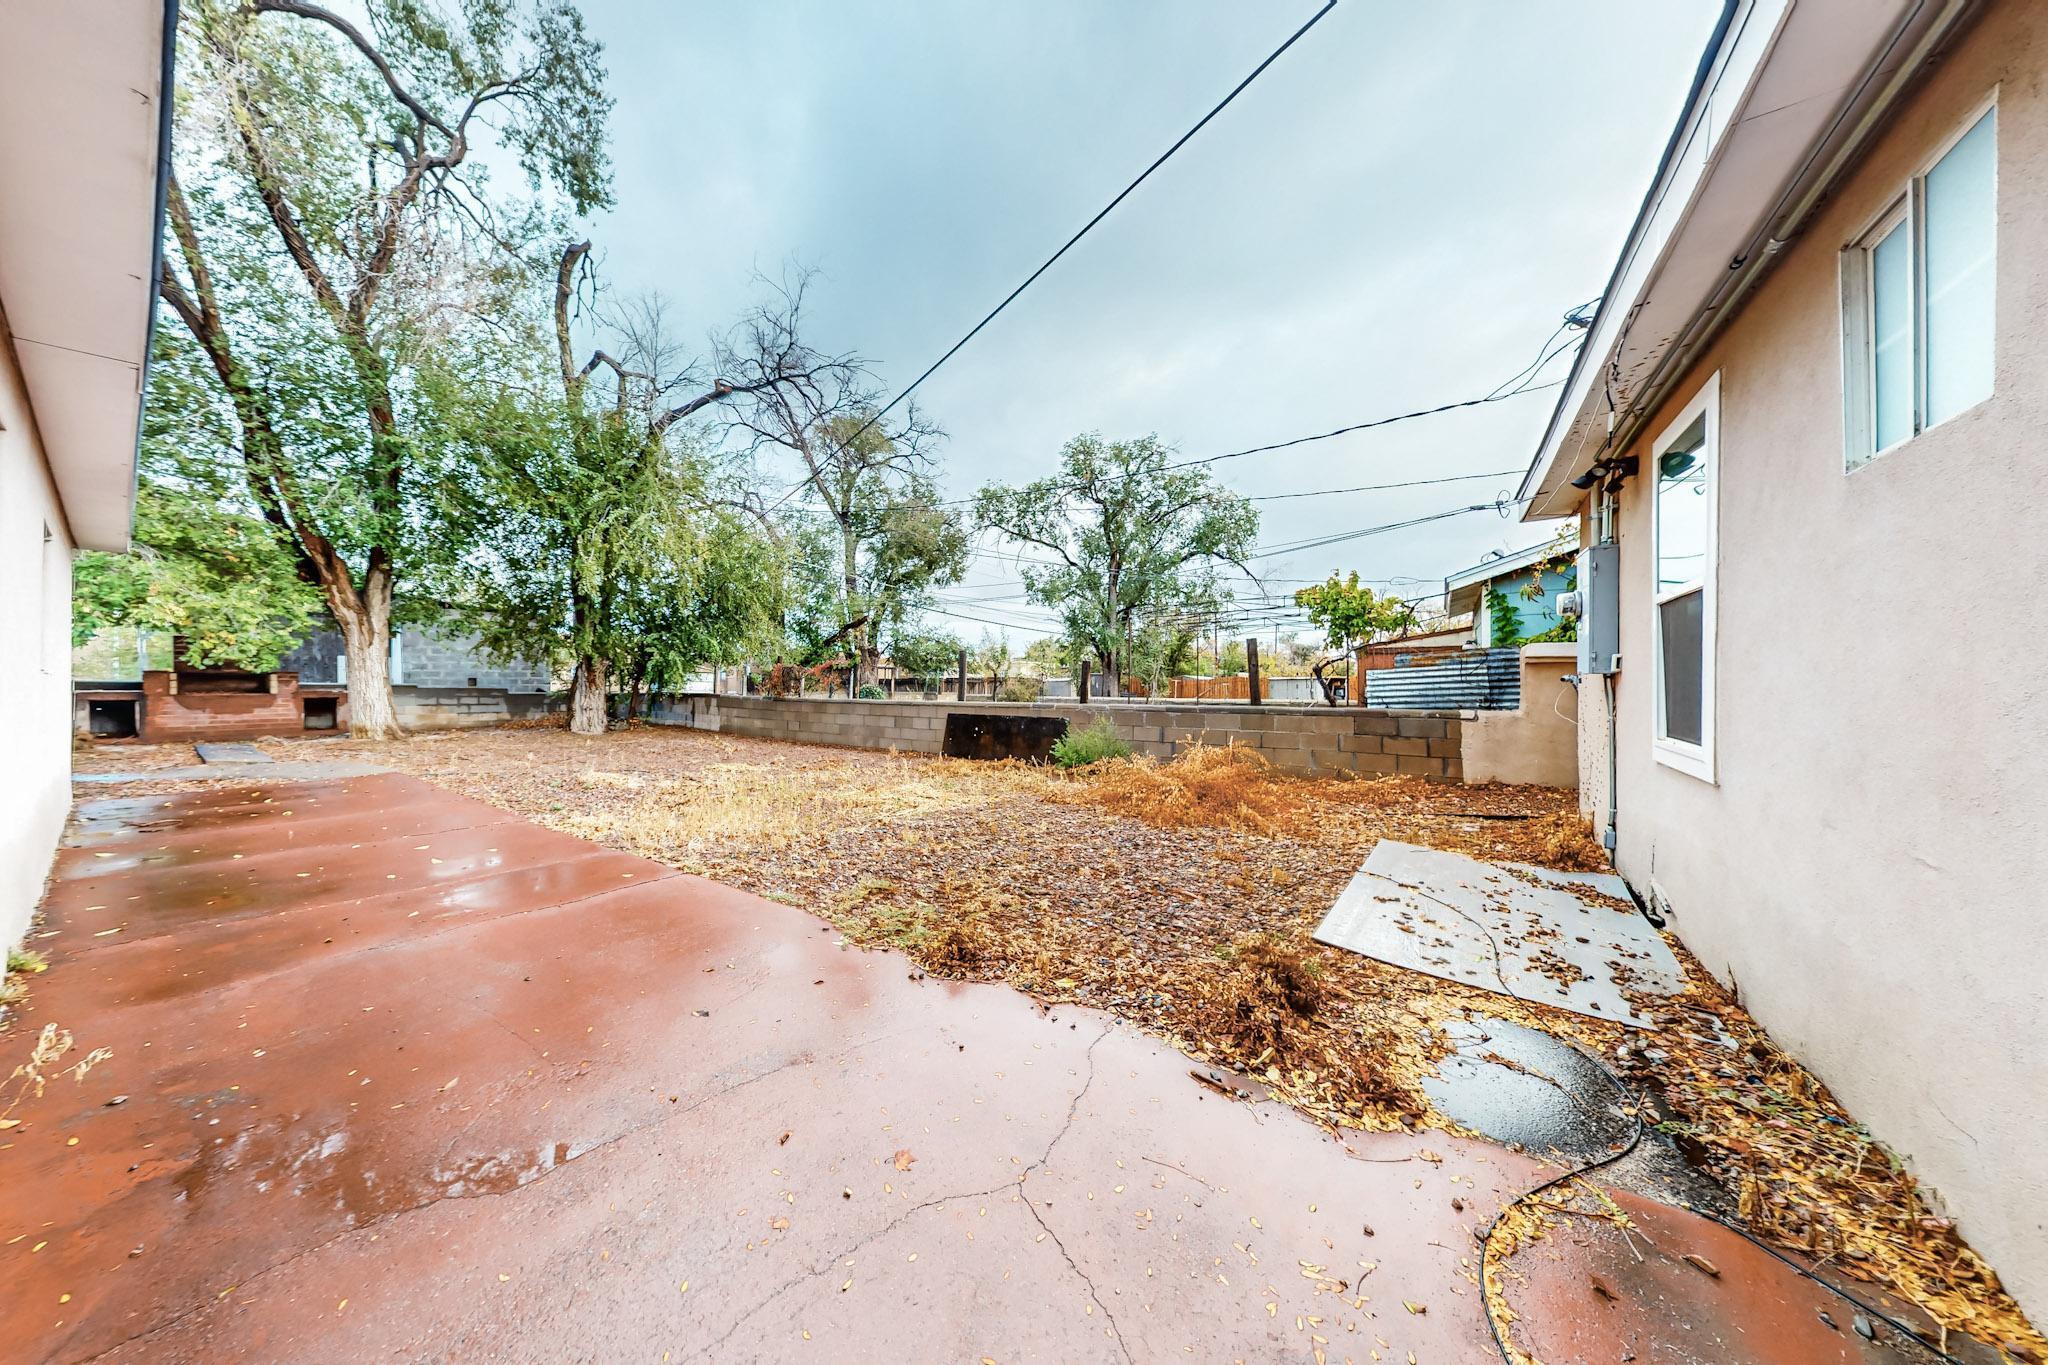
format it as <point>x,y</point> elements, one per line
<point>1267,994</point>
<point>1566,841</point>
<point>1227,788</point>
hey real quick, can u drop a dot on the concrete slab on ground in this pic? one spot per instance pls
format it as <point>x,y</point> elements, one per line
<point>234,751</point>
<point>395,1073</point>
<point>1521,932</point>
<point>267,770</point>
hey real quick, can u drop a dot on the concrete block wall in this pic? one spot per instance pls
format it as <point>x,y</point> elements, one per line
<point>1298,739</point>
<point>461,708</point>
<point>429,660</point>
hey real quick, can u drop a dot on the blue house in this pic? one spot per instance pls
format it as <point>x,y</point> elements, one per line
<point>1529,580</point>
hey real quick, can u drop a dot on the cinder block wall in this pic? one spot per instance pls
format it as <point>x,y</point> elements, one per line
<point>433,661</point>
<point>1299,739</point>
<point>460,708</point>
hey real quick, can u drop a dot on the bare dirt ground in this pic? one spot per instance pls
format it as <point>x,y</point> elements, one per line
<point>1182,897</point>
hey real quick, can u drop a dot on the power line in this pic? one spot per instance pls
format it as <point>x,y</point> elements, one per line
<point>1343,536</point>
<point>1367,426</point>
<point>1182,141</point>
<point>1382,487</point>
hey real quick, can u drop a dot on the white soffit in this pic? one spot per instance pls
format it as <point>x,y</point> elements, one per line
<point>79,141</point>
<point>1785,73</point>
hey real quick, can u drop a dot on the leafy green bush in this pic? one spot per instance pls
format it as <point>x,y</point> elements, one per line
<point>1079,748</point>
<point>870,692</point>
<point>1019,689</point>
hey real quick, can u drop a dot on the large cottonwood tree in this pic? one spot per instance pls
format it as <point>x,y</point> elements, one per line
<point>609,543</point>
<point>330,225</point>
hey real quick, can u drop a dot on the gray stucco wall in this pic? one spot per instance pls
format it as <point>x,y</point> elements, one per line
<point>1299,739</point>
<point>1867,866</point>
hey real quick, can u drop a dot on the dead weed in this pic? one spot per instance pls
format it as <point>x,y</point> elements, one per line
<point>1228,788</point>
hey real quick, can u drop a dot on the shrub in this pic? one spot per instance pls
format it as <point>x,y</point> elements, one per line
<point>870,692</point>
<point>1019,689</point>
<point>1079,748</point>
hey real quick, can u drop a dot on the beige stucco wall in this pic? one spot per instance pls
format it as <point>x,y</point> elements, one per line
<point>1871,871</point>
<point>1538,742</point>
<point>35,657</point>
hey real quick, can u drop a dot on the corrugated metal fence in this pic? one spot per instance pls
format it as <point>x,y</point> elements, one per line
<point>1479,680</point>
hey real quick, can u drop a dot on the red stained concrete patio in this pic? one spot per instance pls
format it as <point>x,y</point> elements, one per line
<point>407,1075</point>
<point>397,1073</point>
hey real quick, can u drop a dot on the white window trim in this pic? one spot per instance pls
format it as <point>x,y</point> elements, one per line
<point>1859,312</point>
<point>1694,760</point>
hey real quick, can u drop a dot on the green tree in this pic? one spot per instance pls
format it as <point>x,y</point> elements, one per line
<point>1052,653</point>
<point>930,655</point>
<point>1137,543</point>
<point>991,659</point>
<point>216,579</point>
<point>892,539</point>
<point>1349,615</point>
<point>330,226</point>
<point>205,565</point>
<point>603,546</point>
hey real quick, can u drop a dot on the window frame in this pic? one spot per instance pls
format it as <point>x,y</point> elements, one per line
<point>1859,300</point>
<point>1694,760</point>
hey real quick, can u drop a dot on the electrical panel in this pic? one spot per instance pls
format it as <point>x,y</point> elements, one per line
<point>1600,609</point>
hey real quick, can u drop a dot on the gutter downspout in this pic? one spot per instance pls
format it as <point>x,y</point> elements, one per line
<point>166,100</point>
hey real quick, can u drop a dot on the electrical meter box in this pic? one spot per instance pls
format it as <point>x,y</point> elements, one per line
<point>1600,601</point>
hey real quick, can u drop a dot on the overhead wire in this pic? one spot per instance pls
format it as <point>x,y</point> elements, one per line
<point>1106,210</point>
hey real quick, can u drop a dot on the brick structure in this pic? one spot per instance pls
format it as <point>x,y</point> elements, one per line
<point>1298,739</point>
<point>207,704</point>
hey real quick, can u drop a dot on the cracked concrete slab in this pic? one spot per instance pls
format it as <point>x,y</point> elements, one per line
<point>397,1073</point>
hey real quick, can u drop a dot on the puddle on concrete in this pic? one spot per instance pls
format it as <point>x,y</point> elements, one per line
<point>1526,1089</point>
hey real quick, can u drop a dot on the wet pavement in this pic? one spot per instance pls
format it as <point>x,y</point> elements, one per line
<point>395,1072</point>
<point>1673,1288</point>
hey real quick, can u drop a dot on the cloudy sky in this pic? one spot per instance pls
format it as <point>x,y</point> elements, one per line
<point>1394,216</point>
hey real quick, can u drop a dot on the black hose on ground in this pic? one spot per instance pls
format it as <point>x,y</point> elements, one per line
<point>1634,1108</point>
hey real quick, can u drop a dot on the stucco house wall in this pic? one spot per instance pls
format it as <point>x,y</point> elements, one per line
<point>35,686</point>
<point>1537,743</point>
<point>1866,869</point>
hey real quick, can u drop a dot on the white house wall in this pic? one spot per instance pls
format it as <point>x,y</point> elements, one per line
<point>35,634</point>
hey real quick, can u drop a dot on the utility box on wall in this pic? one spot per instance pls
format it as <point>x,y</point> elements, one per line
<point>1600,609</point>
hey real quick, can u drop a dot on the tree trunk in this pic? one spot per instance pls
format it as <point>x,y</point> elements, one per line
<point>633,695</point>
<point>587,699</point>
<point>366,635</point>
